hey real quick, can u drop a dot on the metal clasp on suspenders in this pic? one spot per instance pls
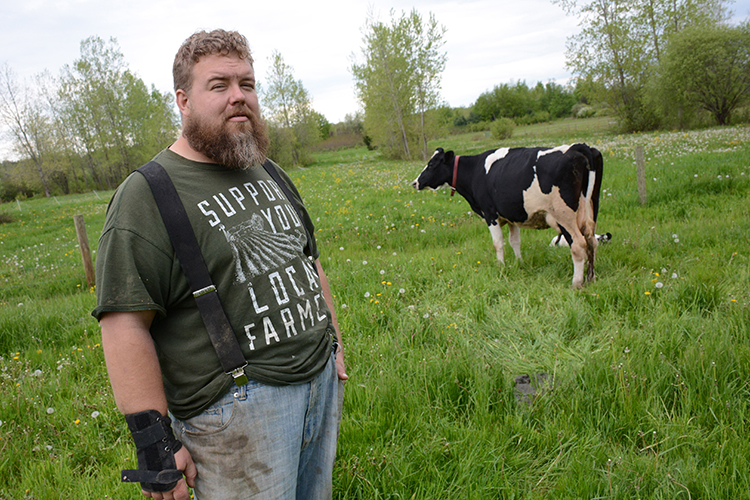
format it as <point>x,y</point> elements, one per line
<point>239,376</point>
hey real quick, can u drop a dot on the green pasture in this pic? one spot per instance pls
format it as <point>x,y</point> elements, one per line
<point>648,368</point>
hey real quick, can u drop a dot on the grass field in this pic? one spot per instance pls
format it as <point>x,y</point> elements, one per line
<point>648,367</point>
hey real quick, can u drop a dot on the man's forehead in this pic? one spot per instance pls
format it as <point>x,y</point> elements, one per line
<point>222,66</point>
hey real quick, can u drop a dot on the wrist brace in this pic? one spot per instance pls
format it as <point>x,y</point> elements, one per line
<point>155,448</point>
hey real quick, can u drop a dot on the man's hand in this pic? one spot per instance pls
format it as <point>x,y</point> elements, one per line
<point>340,367</point>
<point>180,492</point>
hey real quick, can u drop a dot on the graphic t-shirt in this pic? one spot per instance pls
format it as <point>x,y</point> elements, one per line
<point>254,245</point>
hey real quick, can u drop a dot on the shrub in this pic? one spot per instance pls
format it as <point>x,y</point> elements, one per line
<point>502,128</point>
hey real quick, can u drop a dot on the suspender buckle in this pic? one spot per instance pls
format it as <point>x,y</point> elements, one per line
<point>239,376</point>
<point>204,291</point>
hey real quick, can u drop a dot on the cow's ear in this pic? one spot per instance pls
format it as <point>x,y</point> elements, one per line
<point>448,157</point>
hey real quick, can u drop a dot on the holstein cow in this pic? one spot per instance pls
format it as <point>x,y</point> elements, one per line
<point>528,187</point>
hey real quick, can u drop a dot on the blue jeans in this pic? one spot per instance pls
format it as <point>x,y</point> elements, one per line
<point>267,442</point>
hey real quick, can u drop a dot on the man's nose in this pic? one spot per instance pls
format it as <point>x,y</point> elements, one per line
<point>236,95</point>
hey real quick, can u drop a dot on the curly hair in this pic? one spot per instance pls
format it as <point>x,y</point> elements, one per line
<point>202,44</point>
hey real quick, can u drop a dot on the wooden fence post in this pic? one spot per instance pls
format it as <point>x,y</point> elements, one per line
<point>83,243</point>
<point>640,162</point>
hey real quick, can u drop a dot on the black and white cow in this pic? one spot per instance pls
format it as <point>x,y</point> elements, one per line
<point>528,187</point>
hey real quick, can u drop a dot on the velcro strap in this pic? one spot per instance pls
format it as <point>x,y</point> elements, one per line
<point>166,477</point>
<point>150,435</point>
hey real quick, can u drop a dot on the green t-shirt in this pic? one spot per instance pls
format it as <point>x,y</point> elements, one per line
<point>253,243</point>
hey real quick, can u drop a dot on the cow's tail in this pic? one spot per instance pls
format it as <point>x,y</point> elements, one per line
<point>595,165</point>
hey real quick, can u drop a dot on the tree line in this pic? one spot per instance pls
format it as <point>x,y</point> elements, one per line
<point>649,63</point>
<point>92,125</point>
<point>85,129</point>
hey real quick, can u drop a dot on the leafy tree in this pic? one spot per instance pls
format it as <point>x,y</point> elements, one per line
<point>115,122</point>
<point>27,121</point>
<point>289,110</point>
<point>621,42</point>
<point>711,67</point>
<point>399,80</point>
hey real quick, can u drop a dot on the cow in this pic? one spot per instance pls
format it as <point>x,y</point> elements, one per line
<point>528,187</point>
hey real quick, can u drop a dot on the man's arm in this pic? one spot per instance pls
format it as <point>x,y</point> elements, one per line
<point>340,367</point>
<point>135,375</point>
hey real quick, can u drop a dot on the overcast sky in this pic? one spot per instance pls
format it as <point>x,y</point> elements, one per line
<point>488,42</point>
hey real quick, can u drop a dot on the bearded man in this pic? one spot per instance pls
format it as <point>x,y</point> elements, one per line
<point>268,430</point>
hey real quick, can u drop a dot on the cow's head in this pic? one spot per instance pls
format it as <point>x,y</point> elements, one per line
<point>438,172</point>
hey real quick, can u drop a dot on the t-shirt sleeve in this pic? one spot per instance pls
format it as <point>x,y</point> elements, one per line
<point>132,271</point>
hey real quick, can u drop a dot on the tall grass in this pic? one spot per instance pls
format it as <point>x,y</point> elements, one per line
<point>648,366</point>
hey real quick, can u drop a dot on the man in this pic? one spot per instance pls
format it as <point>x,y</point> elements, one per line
<point>274,437</point>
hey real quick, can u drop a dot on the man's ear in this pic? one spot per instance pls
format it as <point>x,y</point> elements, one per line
<point>181,98</point>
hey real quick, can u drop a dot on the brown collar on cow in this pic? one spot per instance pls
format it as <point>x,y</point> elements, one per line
<point>455,175</point>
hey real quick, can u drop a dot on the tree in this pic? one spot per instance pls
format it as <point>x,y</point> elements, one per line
<point>27,121</point>
<point>710,66</point>
<point>621,43</point>
<point>289,110</point>
<point>116,123</point>
<point>399,80</point>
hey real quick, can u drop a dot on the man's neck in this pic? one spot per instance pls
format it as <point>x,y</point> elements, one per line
<point>182,148</point>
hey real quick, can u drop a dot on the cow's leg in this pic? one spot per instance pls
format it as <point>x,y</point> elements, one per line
<point>497,240</point>
<point>578,252</point>
<point>591,244</point>
<point>514,237</point>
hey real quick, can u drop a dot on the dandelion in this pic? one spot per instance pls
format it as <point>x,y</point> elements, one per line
<point>426,315</point>
<point>50,411</point>
<point>367,295</point>
<point>382,272</point>
<point>37,373</point>
<point>647,293</point>
<point>401,291</point>
<point>94,414</point>
<point>659,284</point>
<point>341,248</point>
<point>364,262</point>
<point>78,421</point>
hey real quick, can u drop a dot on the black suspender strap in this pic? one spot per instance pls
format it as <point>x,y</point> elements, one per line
<point>191,260</point>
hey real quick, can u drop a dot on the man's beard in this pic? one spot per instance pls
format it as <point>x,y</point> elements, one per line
<point>235,150</point>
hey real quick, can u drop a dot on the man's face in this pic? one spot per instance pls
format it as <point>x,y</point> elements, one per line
<point>221,116</point>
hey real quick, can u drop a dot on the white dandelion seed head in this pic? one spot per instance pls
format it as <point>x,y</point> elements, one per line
<point>341,248</point>
<point>364,262</point>
<point>674,276</point>
<point>382,272</point>
<point>659,284</point>
<point>401,290</point>
<point>94,414</point>
<point>367,295</point>
<point>426,315</point>
<point>50,411</point>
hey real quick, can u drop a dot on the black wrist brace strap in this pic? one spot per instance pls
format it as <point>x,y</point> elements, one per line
<point>155,448</point>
